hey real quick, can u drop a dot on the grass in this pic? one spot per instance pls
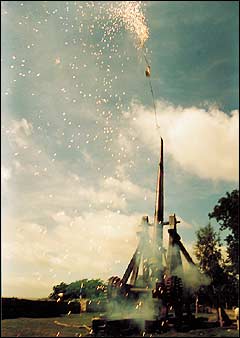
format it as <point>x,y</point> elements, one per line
<point>47,327</point>
<point>53,327</point>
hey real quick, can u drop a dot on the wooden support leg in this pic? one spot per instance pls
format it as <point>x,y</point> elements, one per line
<point>220,316</point>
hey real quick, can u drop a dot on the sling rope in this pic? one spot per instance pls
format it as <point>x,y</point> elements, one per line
<point>151,89</point>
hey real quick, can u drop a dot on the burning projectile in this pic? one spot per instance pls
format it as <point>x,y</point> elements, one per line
<point>148,71</point>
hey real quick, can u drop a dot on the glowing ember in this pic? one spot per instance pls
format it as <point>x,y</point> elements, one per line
<point>131,14</point>
<point>57,61</point>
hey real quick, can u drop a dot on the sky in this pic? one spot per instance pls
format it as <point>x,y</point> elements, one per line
<point>80,139</point>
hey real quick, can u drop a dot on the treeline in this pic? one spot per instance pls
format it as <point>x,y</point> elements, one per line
<point>15,307</point>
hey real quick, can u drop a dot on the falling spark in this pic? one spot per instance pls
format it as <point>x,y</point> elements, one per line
<point>131,14</point>
<point>122,15</point>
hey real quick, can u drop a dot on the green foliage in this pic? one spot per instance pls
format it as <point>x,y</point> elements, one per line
<point>208,253</point>
<point>226,214</point>
<point>91,289</point>
<point>61,288</point>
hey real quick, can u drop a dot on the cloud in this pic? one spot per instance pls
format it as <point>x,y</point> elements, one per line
<point>63,244</point>
<point>41,167</point>
<point>125,186</point>
<point>204,142</point>
<point>20,131</point>
<point>28,288</point>
<point>95,244</point>
<point>6,174</point>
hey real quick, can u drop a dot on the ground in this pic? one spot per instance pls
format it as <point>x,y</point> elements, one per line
<point>73,326</point>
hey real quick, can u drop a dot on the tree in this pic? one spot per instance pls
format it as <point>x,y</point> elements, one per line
<point>226,214</point>
<point>223,287</point>
<point>208,253</point>
<point>74,289</point>
<point>92,289</point>
<point>61,288</point>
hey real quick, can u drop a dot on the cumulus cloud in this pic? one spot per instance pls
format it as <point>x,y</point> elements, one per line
<point>95,244</point>
<point>124,186</point>
<point>95,237</point>
<point>19,132</point>
<point>203,142</point>
<point>6,174</point>
<point>92,245</point>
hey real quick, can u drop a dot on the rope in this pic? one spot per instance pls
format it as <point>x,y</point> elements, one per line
<point>151,89</point>
<point>154,105</point>
<point>146,59</point>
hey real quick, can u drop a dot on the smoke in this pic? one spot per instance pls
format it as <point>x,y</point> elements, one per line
<point>124,307</point>
<point>192,278</point>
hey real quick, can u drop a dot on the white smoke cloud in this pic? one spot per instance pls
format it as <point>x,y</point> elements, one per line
<point>204,142</point>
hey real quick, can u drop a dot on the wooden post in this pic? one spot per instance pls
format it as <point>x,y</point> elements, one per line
<point>196,306</point>
<point>219,311</point>
<point>159,208</point>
